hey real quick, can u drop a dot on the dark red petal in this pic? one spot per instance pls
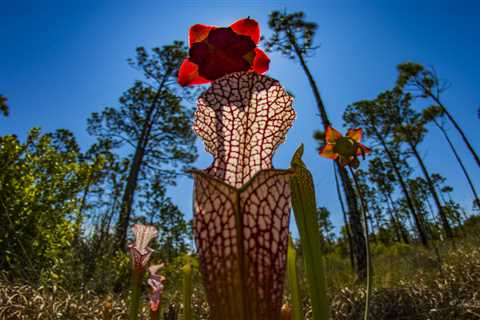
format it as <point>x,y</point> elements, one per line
<point>198,32</point>
<point>219,64</point>
<point>247,27</point>
<point>221,38</point>
<point>260,62</point>
<point>188,74</point>
<point>241,46</point>
<point>199,53</point>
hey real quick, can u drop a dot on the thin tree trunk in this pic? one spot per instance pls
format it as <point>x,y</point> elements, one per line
<point>132,180</point>
<point>345,221</point>
<point>358,237</point>
<point>423,213</point>
<point>372,227</point>
<point>376,223</point>
<point>436,199</point>
<point>86,191</point>
<point>366,212</point>
<point>128,196</point>
<point>456,125</point>
<point>399,223</point>
<point>357,232</point>
<point>393,221</point>
<point>100,246</point>
<point>430,209</point>
<point>113,208</point>
<point>421,231</point>
<point>398,235</point>
<point>311,80</point>
<point>83,201</point>
<point>459,160</point>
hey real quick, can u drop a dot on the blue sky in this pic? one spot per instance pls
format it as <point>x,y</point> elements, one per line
<point>62,60</point>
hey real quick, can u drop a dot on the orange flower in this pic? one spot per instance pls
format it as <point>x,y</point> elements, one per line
<point>215,52</point>
<point>344,149</point>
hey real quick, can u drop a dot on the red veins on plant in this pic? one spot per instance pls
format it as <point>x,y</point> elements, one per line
<point>345,149</point>
<point>215,52</point>
<point>139,250</point>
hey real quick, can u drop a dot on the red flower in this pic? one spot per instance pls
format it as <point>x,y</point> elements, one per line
<point>215,52</point>
<point>344,149</point>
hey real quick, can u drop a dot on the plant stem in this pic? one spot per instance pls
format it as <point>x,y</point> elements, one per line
<point>155,315</point>
<point>187,291</point>
<point>134,304</point>
<point>345,221</point>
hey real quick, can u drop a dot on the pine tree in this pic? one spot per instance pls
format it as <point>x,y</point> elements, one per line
<point>367,115</point>
<point>152,121</point>
<point>410,129</point>
<point>383,177</point>
<point>423,82</point>
<point>293,37</point>
<point>435,114</point>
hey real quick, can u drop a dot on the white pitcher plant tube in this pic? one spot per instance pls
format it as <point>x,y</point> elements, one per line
<point>241,203</point>
<point>139,250</point>
<point>140,254</point>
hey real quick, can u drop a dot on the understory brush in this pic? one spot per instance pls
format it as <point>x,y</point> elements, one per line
<point>409,283</point>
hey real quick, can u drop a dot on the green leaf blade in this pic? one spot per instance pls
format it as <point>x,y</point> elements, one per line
<point>304,207</point>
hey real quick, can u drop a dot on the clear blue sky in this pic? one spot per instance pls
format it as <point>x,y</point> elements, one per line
<point>62,60</point>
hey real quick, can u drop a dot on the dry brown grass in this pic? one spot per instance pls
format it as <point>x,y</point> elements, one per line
<point>450,294</point>
<point>25,302</point>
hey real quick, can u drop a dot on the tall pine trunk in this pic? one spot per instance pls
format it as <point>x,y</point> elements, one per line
<point>459,160</point>
<point>345,221</point>
<point>355,219</point>
<point>441,212</point>
<point>134,172</point>
<point>366,212</point>
<point>358,238</point>
<point>128,196</point>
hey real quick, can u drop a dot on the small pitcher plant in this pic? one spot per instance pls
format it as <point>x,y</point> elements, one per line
<point>140,254</point>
